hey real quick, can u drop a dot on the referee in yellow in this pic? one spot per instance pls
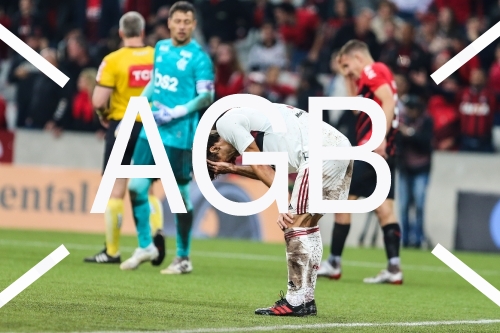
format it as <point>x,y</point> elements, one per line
<point>121,75</point>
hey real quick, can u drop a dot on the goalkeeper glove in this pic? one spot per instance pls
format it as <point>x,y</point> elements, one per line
<point>165,114</point>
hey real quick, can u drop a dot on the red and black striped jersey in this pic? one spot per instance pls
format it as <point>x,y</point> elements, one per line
<point>372,78</point>
<point>477,110</point>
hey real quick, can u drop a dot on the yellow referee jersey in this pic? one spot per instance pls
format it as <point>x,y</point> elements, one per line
<point>127,71</point>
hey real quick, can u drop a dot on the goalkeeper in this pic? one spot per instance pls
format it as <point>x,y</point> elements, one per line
<point>181,84</point>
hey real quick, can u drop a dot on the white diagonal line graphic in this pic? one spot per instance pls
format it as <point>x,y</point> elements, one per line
<point>33,274</point>
<point>468,274</point>
<point>466,54</point>
<point>33,57</point>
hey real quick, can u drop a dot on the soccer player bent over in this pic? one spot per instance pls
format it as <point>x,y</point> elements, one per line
<point>181,85</point>
<point>123,74</point>
<point>303,240</point>
<point>374,81</point>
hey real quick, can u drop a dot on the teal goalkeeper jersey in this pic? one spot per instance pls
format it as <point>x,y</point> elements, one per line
<point>179,74</point>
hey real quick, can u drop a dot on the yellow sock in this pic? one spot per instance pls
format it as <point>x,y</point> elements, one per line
<point>156,215</point>
<point>114,217</point>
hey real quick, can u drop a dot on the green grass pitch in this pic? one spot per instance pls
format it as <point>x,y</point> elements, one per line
<point>230,279</point>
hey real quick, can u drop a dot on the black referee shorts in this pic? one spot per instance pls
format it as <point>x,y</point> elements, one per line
<point>110,141</point>
<point>364,179</point>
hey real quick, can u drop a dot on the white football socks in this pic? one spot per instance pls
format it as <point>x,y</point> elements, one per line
<point>316,253</point>
<point>297,255</point>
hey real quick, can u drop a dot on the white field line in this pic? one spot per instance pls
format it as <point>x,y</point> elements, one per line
<point>241,256</point>
<point>320,326</point>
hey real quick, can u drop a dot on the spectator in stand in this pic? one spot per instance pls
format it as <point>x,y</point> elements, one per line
<point>28,22</point>
<point>415,146</point>
<point>477,107</point>
<point>108,45</point>
<point>385,14</point>
<point>262,13</point>
<point>159,32</point>
<point>359,29</point>
<point>213,45</point>
<point>257,84</point>
<point>464,72</point>
<point>22,74</point>
<point>411,10</point>
<point>268,52</point>
<point>428,37</point>
<point>229,75</point>
<point>97,17</point>
<point>461,10</point>
<point>494,73</point>
<point>276,91</point>
<point>403,92</point>
<point>442,108</point>
<point>309,86</point>
<point>339,13</point>
<point>3,114</point>
<point>227,19</point>
<point>447,25</point>
<point>143,7</point>
<point>78,58</point>
<point>300,29</point>
<point>48,103</point>
<point>6,22</point>
<point>60,18</point>
<point>83,116</point>
<point>406,57</point>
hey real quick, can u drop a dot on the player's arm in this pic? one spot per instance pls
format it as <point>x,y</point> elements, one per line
<point>204,77</point>
<point>386,97</point>
<point>220,168</point>
<point>263,172</point>
<point>149,89</point>
<point>106,82</point>
<point>100,98</point>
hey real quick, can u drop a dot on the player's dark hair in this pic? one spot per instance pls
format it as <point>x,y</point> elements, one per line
<point>288,8</point>
<point>182,6</point>
<point>213,138</point>
<point>354,45</point>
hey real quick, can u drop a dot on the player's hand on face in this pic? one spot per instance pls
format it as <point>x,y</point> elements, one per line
<point>284,219</point>
<point>220,168</point>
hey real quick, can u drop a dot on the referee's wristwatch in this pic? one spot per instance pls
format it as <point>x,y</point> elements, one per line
<point>410,131</point>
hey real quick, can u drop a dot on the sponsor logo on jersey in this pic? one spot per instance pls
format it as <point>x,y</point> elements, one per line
<point>164,48</point>
<point>165,82</point>
<point>475,109</point>
<point>186,54</point>
<point>139,75</point>
<point>181,64</point>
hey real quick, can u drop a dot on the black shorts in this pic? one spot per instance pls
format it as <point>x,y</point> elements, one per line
<point>110,141</point>
<point>364,179</point>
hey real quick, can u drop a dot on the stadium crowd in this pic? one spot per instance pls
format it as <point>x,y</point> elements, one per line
<point>282,50</point>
